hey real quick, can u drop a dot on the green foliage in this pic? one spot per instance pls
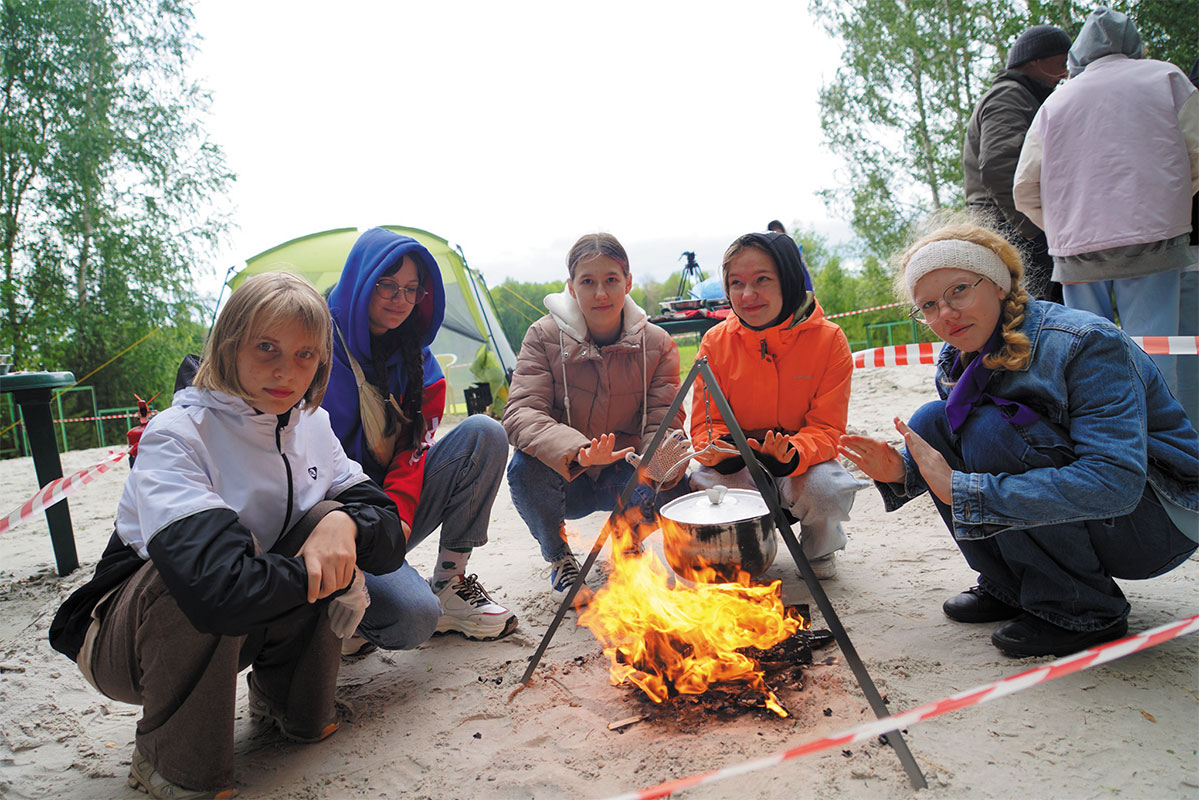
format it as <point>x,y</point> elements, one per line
<point>107,190</point>
<point>839,290</point>
<point>1168,29</point>
<point>911,73</point>
<point>519,305</point>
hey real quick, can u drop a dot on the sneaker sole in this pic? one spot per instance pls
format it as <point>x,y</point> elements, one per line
<point>261,711</point>
<point>141,782</point>
<point>362,652</point>
<point>479,633</point>
<point>581,599</point>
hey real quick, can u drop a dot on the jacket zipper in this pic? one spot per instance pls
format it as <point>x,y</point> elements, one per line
<point>287,467</point>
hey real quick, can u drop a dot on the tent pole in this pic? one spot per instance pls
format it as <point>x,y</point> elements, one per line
<point>474,287</point>
<point>220,294</point>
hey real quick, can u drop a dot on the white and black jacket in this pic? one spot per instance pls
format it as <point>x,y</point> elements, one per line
<point>216,485</point>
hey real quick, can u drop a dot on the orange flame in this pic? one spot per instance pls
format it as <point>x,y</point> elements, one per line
<point>661,634</point>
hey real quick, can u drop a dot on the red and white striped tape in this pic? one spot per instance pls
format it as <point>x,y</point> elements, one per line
<point>106,416</point>
<point>900,355</point>
<point>57,490</point>
<point>863,310</point>
<point>926,352</point>
<point>990,691</point>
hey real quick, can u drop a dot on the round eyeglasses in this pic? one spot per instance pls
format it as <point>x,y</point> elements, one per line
<point>389,289</point>
<point>959,296</point>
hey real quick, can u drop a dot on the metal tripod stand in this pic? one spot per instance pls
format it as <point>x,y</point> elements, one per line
<point>766,488</point>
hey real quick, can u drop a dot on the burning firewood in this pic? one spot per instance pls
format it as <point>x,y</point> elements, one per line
<point>673,640</point>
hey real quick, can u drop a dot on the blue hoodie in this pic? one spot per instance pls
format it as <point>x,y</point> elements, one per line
<point>375,253</point>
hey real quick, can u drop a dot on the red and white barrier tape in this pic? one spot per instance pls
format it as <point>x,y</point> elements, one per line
<point>926,352</point>
<point>863,310</point>
<point>106,416</point>
<point>990,691</point>
<point>57,490</point>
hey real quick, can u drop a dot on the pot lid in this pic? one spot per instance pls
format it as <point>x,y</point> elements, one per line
<point>716,506</point>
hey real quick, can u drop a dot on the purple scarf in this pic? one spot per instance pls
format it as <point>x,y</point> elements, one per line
<point>968,394</point>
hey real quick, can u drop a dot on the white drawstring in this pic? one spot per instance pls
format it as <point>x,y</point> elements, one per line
<point>645,385</point>
<point>562,352</point>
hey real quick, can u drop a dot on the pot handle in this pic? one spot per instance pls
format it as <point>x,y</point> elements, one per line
<point>716,494</point>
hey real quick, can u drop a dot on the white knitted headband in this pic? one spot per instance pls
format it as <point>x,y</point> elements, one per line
<point>956,254</point>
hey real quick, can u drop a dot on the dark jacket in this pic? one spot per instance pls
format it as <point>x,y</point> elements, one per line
<point>993,143</point>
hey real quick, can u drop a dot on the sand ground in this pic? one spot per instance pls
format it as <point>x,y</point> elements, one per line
<point>443,721</point>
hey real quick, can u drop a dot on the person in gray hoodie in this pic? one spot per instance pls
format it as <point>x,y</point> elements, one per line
<point>1108,170</point>
<point>1036,64</point>
<point>594,381</point>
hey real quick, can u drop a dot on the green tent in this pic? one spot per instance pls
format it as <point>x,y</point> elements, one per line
<point>470,323</point>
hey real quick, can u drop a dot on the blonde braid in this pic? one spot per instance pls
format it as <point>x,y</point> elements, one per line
<point>1014,354</point>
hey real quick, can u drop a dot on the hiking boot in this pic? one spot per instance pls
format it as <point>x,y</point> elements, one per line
<point>467,609</point>
<point>145,778</point>
<point>563,574</point>
<point>263,710</point>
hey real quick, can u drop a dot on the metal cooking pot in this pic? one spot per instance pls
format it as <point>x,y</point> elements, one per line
<point>726,530</point>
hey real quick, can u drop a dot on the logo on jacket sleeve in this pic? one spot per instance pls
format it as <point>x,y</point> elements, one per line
<point>312,473</point>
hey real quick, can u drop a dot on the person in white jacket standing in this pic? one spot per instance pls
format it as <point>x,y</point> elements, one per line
<point>1108,170</point>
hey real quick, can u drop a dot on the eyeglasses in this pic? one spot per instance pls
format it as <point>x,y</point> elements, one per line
<point>389,289</point>
<point>959,296</point>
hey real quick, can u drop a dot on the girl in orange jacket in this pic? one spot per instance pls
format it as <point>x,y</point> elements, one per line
<point>785,371</point>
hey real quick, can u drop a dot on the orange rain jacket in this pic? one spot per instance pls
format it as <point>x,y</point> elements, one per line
<point>796,379</point>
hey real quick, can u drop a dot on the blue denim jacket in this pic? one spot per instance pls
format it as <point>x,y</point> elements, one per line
<point>1088,380</point>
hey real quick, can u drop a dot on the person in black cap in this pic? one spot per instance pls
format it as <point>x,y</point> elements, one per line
<point>1037,63</point>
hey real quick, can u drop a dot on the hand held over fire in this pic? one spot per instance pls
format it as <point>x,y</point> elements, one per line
<point>775,445</point>
<point>600,452</point>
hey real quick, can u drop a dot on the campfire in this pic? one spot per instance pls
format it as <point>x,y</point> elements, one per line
<point>671,637</point>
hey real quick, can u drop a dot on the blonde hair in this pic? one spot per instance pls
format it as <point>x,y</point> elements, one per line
<point>262,303</point>
<point>1014,353</point>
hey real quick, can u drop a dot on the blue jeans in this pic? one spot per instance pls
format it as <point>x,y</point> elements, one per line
<point>1060,573</point>
<point>463,470</point>
<point>545,499</point>
<point>1146,306</point>
<point>1189,302</point>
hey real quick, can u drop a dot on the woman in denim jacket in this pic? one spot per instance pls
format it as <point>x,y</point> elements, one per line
<point>1056,455</point>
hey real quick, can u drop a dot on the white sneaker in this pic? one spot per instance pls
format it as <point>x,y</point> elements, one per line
<point>824,567</point>
<point>467,608</point>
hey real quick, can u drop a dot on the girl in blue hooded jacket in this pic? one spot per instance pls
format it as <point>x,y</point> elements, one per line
<point>385,399</point>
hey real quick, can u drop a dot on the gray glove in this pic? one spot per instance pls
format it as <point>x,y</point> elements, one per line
<point>347,609</point>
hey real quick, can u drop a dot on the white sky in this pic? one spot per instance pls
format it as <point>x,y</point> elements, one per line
<point>513,128</point>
